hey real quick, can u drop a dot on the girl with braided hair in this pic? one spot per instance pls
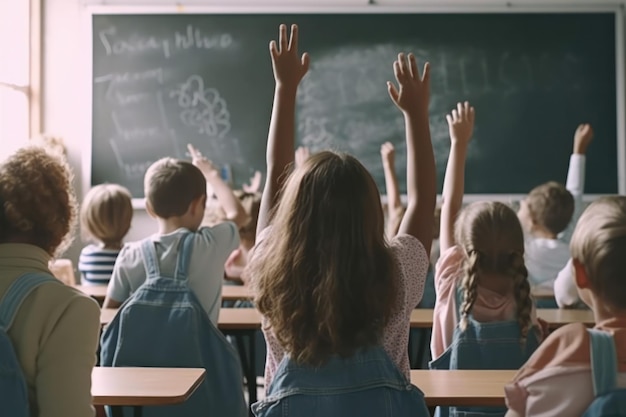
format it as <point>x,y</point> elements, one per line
<point>484,315</point>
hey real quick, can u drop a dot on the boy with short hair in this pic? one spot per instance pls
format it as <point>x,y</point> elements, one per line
<point>176,196</point>
<point>549,215</point>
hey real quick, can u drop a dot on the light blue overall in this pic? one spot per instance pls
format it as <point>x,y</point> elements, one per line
<point>493,345</point>
<point>365,384</point>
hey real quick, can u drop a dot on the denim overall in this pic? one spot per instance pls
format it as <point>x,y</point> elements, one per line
<point>365,384</point>
<point>610,400</point>
<point>493,345</point>
<point>163,324</point>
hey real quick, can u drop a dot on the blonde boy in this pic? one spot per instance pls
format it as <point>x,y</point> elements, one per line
<point>556,380</point>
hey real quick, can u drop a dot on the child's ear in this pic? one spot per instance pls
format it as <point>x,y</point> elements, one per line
<point>198,205</point>
<point>580,275</point>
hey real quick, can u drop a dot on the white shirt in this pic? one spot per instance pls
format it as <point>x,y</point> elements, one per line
<point>545,258</point>
<point>211,248</point>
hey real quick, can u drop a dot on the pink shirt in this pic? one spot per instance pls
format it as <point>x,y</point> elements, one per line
<point>556,380</point>
<point>489,306</point>
<point>412,265</point>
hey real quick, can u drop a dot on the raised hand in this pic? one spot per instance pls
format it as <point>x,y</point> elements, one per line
<point>289,67</point>
<point>388,154</point>
<point>413,91</point>
<point>255,183</point>
<point>201,162</point>
<point>582,138</point>
<point>461,123</point>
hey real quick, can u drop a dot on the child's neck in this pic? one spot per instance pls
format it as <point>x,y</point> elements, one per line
<point>171,224</point>
<point>540,233</point>
<point>112,245</point>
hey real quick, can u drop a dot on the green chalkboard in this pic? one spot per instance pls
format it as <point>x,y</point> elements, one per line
<point>162,81</point>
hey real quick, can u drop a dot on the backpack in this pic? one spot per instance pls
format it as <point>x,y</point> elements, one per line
<point>13,388</point>
<point>610,401</point>
<point>164,325</point>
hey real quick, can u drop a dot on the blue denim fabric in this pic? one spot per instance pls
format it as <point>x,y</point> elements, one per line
<point>610,401</point>
<point>493,345</point>
<point>366,384</point>
<point>163,324</point>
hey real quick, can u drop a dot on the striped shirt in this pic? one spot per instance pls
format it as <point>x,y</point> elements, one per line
<point>96,264</point>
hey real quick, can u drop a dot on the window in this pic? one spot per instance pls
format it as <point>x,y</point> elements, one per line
<point>16,77</point>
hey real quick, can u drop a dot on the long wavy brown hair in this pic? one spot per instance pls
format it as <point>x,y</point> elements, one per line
<point>324,276</point>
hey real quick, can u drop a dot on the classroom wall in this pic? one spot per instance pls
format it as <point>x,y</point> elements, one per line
<point>67,77</point>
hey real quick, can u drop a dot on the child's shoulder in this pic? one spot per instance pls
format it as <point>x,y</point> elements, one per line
<point>566,346</point>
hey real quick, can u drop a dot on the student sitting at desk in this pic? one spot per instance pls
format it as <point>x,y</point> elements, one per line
<point>484,316</point>
<point>54,333</point>
<point>548,215</point>
<point>558,379</point>
<point>336,298</point>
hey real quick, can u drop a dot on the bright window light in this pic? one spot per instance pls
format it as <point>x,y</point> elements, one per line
<point>14,75</point>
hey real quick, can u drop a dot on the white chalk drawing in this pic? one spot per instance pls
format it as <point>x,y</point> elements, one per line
<point>202,108</point>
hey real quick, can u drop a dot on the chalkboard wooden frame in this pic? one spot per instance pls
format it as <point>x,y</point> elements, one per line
<point>618,10</point>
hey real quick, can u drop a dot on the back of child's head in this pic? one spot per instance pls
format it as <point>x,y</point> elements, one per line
<point>38,202</point>
<point>171,185</point>
<point>326,280</point>
<point>52,144</point>
<point>599,244</point>
<point>492,238</point>
<point>106,214</point>
<point>550,206</point>
<point>251,203</point>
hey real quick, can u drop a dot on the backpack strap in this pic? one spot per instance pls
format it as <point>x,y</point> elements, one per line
<point>603,361</point>
<point>151,262</point>
<point>184,257</point>
<point>17,293</point>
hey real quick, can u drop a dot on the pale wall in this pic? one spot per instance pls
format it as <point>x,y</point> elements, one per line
<point>66,71</point>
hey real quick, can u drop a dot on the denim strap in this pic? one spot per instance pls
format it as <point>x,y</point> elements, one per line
<point>17,293</point>
<point>150,260</point>
<point>184,257</point>
<point>603,361</point>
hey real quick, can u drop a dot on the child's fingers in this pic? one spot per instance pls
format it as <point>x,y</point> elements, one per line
<point>391,88</point>
<point>404,70</point>
<point>449,119</point>
<point>426,73</point>
<point>305,62</point>
<point>195,154</point>
<point>413,67</point>
<point>472,114</point>
<point>459,109</point>
<point>273,49</point>
<point>282,38</point>
<point>455,115</point>
<point>293,39</point>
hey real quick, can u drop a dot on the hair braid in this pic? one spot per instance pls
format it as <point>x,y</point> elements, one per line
<point>522,294</point>
<point>470,287</point>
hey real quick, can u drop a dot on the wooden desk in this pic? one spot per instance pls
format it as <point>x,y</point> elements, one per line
<point>462,388</point>
<point>229,318</point>
<point>236,293</point>
<point>423,318</point>
<point>140,387</point>
<point>229,292</point>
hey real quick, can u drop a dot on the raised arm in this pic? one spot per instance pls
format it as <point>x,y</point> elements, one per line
<point>412,97</point>
<point>228,201</point>
<point>576,175</point>
<point>394,205</point>
<point>289,68</point>
<point>461,125</point>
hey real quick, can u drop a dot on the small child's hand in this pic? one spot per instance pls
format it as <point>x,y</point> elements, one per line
<point>388,154</point>
<point>301,155</point>
<point>255,183</point>
<point>461,123</point>
<point>201,162</point>
<point>413,93</point>
<point>582,138</point>
<point>288,67</point>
